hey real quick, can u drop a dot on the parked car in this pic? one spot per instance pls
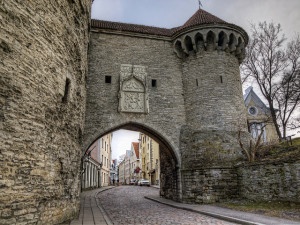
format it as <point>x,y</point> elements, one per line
<point>144,182</point>
<point>132,181</point>
<point>136,182</point>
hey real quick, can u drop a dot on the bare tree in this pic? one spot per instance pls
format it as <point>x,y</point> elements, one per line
<point>274,69</point>
<point>254,146</point>
<point>121,158</point>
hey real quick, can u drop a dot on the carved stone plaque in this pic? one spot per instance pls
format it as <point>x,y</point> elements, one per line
<point>133,96</point>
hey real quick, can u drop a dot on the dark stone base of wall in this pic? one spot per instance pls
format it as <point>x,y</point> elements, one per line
<point>211,148</point>
<point>169,176</point>
<point>209,185</point>
<point>263,181</point>
<point>270,181</point>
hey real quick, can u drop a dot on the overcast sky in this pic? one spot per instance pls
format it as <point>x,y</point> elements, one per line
<point>173,13</point>
<point>121,142</point>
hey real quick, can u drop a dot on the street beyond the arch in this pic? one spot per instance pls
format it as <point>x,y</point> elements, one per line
<point>131,204</point>
<point>127,205</point>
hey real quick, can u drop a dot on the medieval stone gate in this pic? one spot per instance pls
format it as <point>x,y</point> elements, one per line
<point>66,80</point>
<point>180,85</point>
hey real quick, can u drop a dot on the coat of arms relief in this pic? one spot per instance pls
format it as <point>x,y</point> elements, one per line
<point>133,95</point>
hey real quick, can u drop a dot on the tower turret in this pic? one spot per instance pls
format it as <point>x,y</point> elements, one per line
<point>211,51</point>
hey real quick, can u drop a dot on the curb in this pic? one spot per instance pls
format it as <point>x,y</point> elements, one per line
<point>102,210</point>
<point>215,215</point>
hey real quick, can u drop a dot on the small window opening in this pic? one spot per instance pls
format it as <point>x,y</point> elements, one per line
<point>153,83</point>
<point>108,79</point>
<point>67,90</point>
<point>197,82</point>
<point>221,79</point>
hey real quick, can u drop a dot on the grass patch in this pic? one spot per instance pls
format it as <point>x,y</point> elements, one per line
<point>285,210</point>
<point>281,151</point>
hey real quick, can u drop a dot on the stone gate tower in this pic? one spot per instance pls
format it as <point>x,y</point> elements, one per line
<point>210,51</point>
<point>181,85</point>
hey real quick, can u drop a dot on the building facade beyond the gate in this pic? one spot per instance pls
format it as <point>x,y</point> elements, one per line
<point>97,168</point>
<point>150,163</point>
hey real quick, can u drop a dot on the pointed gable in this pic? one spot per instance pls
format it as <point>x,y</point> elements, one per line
<point>202,17</point>
<point>250,95</point>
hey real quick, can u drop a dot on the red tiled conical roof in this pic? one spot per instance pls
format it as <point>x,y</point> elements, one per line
<point>202,17</point>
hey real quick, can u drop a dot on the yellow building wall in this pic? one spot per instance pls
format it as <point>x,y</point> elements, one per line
<point>150,159</point>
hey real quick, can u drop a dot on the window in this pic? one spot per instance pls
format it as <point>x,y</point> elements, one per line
<point>105,146</point>
<point>153,83</point>
<point>102,159</point>
<point>67,90</point>
<point>108,79</point>
<point>221,79</point>
<point>256,129</point>
<point>252,111</point>
<point>197,83</point>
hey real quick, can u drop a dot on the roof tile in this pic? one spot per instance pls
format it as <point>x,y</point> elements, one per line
<point>200,17</point>
<point>136,149</point>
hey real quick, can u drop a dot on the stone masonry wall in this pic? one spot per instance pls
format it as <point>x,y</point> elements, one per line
<point>209,185</point>
<point>214,110</point>
<point>166,106</point>
<point>43,65</point>
<point>270,181</point>
<point>170,187</point>
<point>213,91</point>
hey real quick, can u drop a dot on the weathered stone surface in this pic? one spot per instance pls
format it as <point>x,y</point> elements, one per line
<point>270,181</point>
<point>209,185</point>
<point>189,101</point>
<point>166,104</point>
<point>42,45</point>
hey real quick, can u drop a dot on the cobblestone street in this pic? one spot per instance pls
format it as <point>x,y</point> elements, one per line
<point>127,205</point>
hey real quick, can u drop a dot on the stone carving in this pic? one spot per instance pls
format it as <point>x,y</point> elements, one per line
<point>133,85</point>
<point>133,96</point>
<point>134,102</point>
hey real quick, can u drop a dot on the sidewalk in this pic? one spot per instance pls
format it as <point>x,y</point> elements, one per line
<point>225,214</point>
<point>155,186</point>
<point>91,212</point>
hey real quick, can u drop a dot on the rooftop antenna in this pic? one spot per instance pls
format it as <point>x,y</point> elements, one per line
<point>200,4</point>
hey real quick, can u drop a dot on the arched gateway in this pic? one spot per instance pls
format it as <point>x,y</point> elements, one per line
<point>179,85</point>
<point>168,153</point>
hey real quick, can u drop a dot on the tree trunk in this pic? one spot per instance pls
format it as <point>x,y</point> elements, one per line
<point>274,119</point>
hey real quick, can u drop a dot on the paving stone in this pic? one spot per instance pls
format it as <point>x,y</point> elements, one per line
<point>127,205</point>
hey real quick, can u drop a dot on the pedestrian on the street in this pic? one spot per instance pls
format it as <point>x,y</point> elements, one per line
<point>114,182</point>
